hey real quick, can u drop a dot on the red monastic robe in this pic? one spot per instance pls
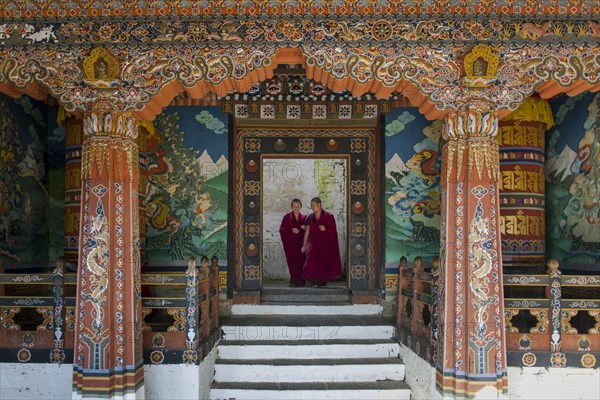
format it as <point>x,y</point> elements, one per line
<point>323,261</point>
<point>292,245</point>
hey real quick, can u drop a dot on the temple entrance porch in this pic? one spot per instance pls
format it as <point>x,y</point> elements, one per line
<point>470,68</point>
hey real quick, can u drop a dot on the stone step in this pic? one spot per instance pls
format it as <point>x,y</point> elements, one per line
<point>313,291</point>
<point>305,295</point>
<point>383,390</point>
<point>292,328</point>
<point>313,349</point>
<point>306,309</point>
<point>306,302</point>
<point>309,370</point>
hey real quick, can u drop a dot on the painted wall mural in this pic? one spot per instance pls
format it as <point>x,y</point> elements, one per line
<point>56,185</point>
<point>25,201</point>
<point>186,201</point>
<point>412,178</point>
<point>573,182</point>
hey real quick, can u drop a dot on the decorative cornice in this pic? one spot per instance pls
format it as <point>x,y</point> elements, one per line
<point>294,30</point>
<point>148,8</point>
<point>426,59</point>
<point>144,73</point>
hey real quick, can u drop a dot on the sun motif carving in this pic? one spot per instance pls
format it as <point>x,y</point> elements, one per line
<point>382,30</point>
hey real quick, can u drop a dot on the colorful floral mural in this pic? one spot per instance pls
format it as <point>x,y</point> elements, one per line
<point>26,205</point>
<point>572,181</point>
<point>412,179</point>
<point>186,201</point>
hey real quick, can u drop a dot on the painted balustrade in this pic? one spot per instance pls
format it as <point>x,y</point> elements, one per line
<point>405,296</point>
<point>45,314</point>
<point>214,294</point>
<point>180,311</point>
<point>560,327</point>
<point>416,306</point>
<point>551,320</point>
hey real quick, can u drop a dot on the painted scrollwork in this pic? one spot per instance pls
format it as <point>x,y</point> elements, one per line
<point>596,315</point>
<point>509,313</point>
<point>145,312</point>
<point>70,319</point>
<point>542,321</point>
<point>179,317</point>
<point>8,321</point>
<point>568,314</point>
<point>48,314</point>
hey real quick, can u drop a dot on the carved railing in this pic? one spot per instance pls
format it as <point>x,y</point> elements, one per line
<point>417,305</point>
<point>551,320</point>
<point>557,327</point>
<point>180,314</point>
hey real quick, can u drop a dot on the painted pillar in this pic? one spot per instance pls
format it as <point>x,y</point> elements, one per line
<point>522,197</point>
<point>471,354</point>
<point>108,360</point>
<point>73,140</point>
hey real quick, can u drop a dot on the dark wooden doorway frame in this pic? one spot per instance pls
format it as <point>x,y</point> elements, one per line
<point>362,147</point>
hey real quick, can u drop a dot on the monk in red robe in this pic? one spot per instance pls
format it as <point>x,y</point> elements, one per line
<point>292,236</point>
<point>323,261</point>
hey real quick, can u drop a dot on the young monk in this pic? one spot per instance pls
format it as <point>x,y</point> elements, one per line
<point>292,235</point>
<point>323,261</point>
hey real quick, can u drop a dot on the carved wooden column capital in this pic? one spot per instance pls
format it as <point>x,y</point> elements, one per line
<point>474,121</point>
<point>470,135</point>
<point>115,124</point>
<point>110,145</point>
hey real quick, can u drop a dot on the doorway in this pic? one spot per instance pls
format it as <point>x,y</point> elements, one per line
<point>271,166</point>
<point>285,178</point>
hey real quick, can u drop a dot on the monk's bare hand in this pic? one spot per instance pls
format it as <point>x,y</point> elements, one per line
<point>303,249</point>
<point>296,230</point>
<point>322,227</point>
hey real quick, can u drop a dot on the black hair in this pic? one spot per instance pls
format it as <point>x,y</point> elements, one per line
<point>296,201</point>
<point>318,201</point>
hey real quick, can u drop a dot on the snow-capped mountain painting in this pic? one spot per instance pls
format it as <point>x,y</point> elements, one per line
<point>560,165</point>
<point>395,164</point>
<point>208,168</point>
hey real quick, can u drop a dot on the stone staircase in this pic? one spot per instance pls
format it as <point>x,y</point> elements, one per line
<point>298,347</point>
